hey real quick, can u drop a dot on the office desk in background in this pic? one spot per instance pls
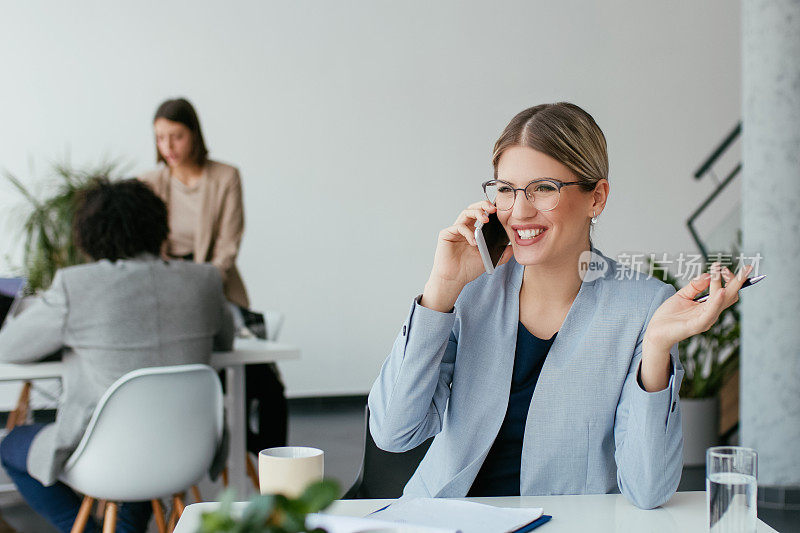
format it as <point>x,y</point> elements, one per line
<point>245,352</point>
<point>598,513</point>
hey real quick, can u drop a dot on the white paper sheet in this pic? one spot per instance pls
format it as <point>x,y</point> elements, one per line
<point>347,524</point>
<point>466,517</point>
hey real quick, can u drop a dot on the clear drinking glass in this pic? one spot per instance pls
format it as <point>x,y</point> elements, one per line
<point>731,473</point>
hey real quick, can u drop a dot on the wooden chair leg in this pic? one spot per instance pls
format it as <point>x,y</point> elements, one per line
<point>173,520</point>
<point>225,476</point>
<point>24,403</point>
<point>19,415</point>
<point>100,510</point>
<point>177,510</point>
<point>252,473</point>
<point>158,513</point>
<point>178,503</point>
<point>83,515</point>
<point>196,494</point>
<point>110,521</point>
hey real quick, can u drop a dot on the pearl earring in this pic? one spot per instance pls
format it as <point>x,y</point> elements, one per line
<point>594,218</point>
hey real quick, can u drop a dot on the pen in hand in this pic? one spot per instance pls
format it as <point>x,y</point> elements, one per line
<point>747,283</point>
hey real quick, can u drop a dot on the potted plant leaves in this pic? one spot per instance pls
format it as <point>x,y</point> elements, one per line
<point>271,513</point>
<point>47,222</point>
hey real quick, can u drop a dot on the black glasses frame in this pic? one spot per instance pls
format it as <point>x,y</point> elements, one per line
<point>557,183</point>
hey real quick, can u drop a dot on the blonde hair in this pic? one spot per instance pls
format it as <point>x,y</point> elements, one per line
<point>566,133</point>
<point>563,131</point>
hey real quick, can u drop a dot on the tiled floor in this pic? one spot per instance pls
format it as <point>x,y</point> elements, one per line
<point>337,428</point>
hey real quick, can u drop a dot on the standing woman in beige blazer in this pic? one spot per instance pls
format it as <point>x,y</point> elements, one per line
<point>204,197</point>
<point>206,223</point>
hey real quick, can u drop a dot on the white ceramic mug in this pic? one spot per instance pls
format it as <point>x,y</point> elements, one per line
<point>288,470</point>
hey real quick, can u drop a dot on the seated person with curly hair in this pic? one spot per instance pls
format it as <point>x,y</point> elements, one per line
<point>126,309</point>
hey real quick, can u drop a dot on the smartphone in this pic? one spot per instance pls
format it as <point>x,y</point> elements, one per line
<point>492,240</point>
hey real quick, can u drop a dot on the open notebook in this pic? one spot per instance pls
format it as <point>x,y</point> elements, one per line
<point>437,515</point>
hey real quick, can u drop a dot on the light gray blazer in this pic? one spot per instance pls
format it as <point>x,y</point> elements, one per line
<point>110,319</point>
<point>590,428</point>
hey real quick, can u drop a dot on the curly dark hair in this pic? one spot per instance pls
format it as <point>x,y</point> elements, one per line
<point>119,220</point>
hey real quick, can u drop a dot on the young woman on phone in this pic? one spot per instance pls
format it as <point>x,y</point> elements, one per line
<point>537,379</point>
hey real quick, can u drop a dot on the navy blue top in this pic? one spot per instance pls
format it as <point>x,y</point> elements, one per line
<point>499,475</point>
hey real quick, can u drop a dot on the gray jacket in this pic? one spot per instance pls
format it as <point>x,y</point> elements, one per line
<point>590,429</point>
<point>110,318</point>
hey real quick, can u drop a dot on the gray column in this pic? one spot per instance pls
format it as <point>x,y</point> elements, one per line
<point>770,371</point>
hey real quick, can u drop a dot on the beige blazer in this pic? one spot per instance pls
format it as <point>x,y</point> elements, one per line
<point>221,222</point>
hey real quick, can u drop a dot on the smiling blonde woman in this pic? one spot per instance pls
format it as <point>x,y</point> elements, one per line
<point>535,380</point>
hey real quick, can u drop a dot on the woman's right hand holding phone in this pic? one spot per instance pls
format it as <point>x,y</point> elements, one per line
<point>457,260</point>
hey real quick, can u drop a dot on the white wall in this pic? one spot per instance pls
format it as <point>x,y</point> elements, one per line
<point>362,128</point>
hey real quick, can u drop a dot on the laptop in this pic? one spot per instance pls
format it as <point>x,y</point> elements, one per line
<point>10,296</point>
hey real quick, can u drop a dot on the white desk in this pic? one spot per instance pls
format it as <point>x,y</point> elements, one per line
<point>245,351</point>
<point>600,513</point>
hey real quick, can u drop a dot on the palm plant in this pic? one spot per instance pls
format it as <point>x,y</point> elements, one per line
<point>47,226</point>
<point>708,358</point>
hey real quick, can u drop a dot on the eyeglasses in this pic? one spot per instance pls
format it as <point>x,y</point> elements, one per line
<point>543,193</point>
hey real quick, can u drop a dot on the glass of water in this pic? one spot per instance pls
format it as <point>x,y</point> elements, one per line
<point>731,473</point>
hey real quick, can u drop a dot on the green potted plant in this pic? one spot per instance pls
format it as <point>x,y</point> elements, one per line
<point>709,359</point>
<point>271,513</point>
<point>47,223</point>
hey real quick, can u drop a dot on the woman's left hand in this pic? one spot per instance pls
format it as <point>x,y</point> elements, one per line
<point>680,317</point>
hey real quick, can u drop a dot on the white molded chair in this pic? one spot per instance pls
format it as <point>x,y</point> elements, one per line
<point>153,434</point>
